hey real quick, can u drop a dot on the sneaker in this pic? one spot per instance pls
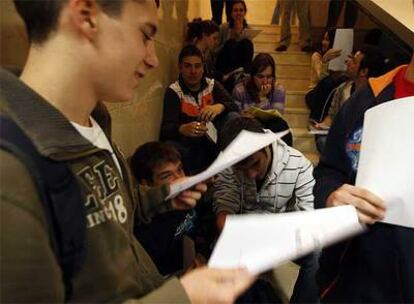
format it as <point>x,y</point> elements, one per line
<point>281,48</point>
<point>307,49</point>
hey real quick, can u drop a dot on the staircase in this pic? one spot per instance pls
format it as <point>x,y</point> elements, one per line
<point>293,72</point>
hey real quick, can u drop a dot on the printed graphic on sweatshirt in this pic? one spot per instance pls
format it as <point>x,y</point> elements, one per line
<point>353,147</point>
<point>104,201</point>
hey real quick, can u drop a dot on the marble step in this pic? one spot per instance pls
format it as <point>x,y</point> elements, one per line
<point>303,141</point>
<point>273,28</point>
<point>290,57</point>
<point>291,71</point>
<point>268,47</point>
<point>294,84</point>
<point>296,99</point>
<point>274,37</point>
<point>297,117</point>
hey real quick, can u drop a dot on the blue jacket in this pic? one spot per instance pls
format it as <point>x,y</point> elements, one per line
<point>377,266</point>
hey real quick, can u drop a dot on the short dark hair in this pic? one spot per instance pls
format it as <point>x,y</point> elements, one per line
<point>234,126</point>
<point>188,51</point>
<point>373,60</point>
<point>198,27</point>
<point>41,16</point>
<point>150,155</point>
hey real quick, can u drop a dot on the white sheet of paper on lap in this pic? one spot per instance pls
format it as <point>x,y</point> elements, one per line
<point>386,162</point>
<point>260,242</point>
<point>251,33</point>
<point>344,40</point>
<point>245,144</point>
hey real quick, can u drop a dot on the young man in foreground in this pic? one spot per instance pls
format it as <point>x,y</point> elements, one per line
<point>106,48</point>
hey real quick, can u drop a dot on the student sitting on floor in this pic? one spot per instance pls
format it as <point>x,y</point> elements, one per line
<point>189,104</point>
<point>275,179</point>
<point>154,164</point>
<point>262,91</point>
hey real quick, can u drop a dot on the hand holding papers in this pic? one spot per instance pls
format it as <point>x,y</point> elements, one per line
<point>245,144</point>
<point>344,41</point>
<point>386,162</point>
<point>254,241</point>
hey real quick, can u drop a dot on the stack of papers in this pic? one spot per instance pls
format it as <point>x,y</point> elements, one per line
<point>260,242</point>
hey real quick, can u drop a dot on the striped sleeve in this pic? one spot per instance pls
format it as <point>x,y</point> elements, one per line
<point>226,192</point>
<point>304,185</point>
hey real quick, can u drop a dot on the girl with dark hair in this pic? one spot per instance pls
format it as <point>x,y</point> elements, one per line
<point>235,52</point>
<point>320,59</point>
<point>262,91</point>
<point>204,34</point>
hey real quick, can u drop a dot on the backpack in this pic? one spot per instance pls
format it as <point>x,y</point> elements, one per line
<point>61,198</point>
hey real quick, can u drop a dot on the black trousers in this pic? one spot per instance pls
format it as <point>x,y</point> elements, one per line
<point>217,10</point>
<point>335,8</point>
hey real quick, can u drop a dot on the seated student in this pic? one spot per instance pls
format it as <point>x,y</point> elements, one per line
<point>262,91</point>
<point>189,103</point>
<point>154,164</point>
<point>367,62</point>
<point>377,266</point>
<point>235,51</point>
<point>275,179</point>
<point>204,34</point>
<point>320,59</point>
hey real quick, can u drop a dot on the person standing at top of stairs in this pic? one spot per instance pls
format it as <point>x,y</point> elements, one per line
<point>302,8</point>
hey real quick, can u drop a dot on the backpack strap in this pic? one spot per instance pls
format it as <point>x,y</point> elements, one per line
<point>61,197</point>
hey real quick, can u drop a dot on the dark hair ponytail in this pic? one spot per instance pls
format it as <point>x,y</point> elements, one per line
<point>198,27</point>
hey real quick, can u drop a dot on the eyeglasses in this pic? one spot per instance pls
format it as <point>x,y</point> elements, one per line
<point>261,77</point>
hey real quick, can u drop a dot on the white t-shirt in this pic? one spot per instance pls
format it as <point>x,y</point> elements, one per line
<point>97,137</point>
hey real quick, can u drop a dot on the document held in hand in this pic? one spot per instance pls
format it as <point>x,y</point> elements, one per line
<point>245,144</point>
<point>386,162</point>
<point>344,40</point>
<point>260,242</point>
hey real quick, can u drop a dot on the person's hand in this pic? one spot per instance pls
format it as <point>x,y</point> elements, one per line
<point>331,54</point>
<point>210,112</point>
<point>321,126</point>
<point>265,90</point>
<point>370,207</point>
<point>193,129</point>
<point>187,199</point>
<point>207,285</point>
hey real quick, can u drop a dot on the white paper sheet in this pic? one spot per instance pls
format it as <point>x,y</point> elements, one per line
<point>211,132</point>
<point>260,242</point>
<point>386,162</point>
<point>245,144</point>
<point>344,40</point>
<point>251,33</point>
